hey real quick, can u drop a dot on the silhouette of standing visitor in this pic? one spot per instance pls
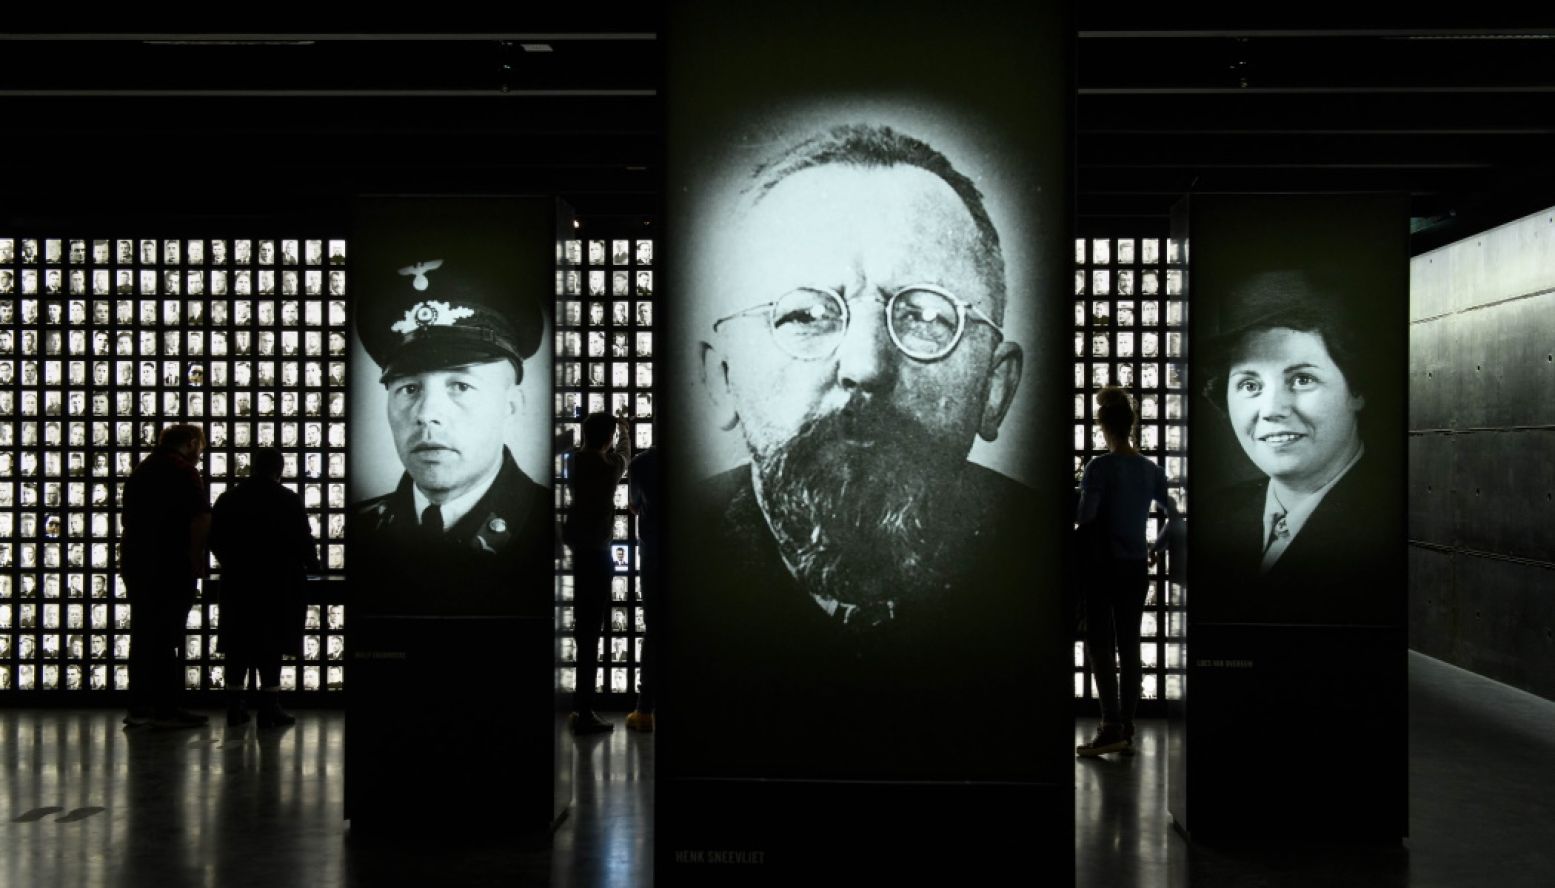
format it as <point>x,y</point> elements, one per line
<point>597,467</point>
<point>1115,496</point>
<point>162,558</point>
<point>260,534</point>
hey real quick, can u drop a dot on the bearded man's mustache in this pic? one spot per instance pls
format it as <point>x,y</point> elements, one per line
<point>851,499</point>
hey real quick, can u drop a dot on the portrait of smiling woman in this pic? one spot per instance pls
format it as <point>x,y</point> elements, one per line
<point>1306,538</point>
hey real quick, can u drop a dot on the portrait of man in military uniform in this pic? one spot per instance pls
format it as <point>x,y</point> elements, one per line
<point>451,328</point>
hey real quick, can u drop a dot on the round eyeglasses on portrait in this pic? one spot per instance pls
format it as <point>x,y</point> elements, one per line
<point>925,322</point>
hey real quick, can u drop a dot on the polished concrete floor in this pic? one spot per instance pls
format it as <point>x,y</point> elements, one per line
<point>1481,811</point>
<point>89,804</point>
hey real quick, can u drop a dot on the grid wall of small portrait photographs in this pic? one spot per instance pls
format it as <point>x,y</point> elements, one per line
<point>103,342</point>
<point>1130,330</point>
<point>605,348</point>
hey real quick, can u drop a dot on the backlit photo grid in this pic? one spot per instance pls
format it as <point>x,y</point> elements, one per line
<point>1130,330</point>
<point>103,342</point>
<point>605,347</point>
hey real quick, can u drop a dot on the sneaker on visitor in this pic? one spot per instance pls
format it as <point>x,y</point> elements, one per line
<point>1109,738</point>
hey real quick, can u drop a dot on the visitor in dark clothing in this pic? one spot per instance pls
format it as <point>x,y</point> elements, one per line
<point>261,537</point>
<point>1115,496</point>
<point>162,558</point>
<point>596,468</point>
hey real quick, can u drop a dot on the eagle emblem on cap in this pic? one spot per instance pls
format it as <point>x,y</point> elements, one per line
<point>431,314</point>
<point>418,272</point>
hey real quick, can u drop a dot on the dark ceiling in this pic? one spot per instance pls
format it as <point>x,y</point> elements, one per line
<point>153,115</point>
<point>1462,119</point>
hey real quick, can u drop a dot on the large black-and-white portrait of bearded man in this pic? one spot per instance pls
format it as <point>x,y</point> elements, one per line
<point>860,368</point>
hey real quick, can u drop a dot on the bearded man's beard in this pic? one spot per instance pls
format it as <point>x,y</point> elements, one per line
<point>854,499</point>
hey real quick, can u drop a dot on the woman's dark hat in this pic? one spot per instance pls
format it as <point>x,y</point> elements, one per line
<point>1299,299</point>
<point>1270,298</point>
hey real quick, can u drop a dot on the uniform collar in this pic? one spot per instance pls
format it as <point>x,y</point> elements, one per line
<point>455,509</point>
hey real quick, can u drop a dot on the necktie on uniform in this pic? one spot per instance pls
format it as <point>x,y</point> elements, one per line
<point>432,519</point>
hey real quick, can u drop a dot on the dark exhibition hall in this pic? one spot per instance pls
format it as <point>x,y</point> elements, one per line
<point>832,444</point>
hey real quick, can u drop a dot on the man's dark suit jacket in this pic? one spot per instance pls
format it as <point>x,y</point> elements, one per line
<point>772,686</point>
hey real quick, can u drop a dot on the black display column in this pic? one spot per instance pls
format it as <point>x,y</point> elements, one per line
<point>1295,724</point>
<point>867,281</point>
<point>451,558</point>
<point>451,715</point>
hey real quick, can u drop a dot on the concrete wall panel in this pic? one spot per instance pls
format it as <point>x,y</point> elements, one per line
<point>1428,285</point>
<point>1512,260</point>
<point>1482,466</point>
<point>1506,626</point>
<point>1504,358</point>
<point>1518,257</point>
<point>1504,487</point>
<point>1432,375</point>
<point>1432,518</point>
<point>1471,349</point>
<point>1433,611</point>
